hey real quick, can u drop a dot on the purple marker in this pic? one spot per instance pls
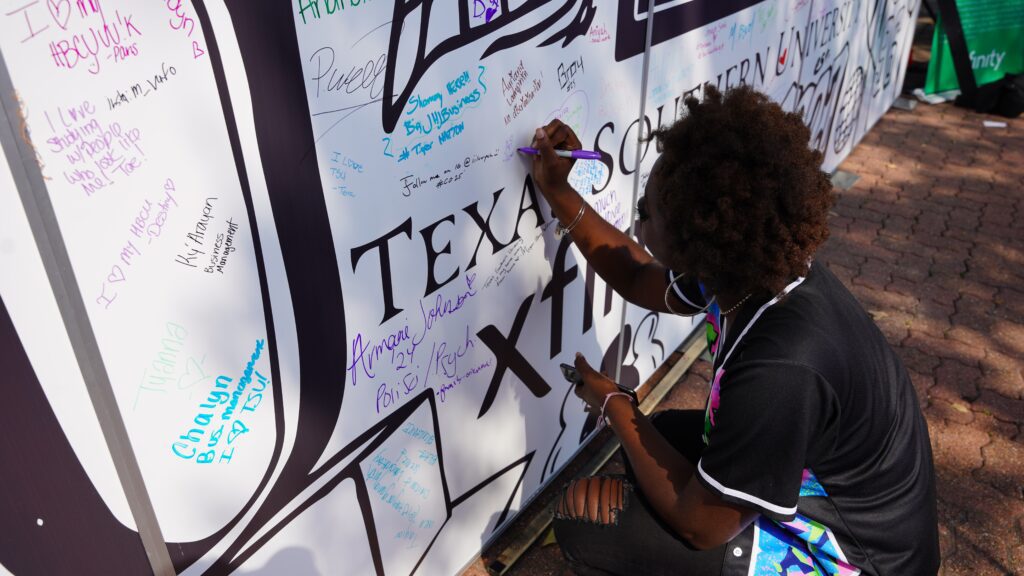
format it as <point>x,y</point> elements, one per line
<point>577,154</point>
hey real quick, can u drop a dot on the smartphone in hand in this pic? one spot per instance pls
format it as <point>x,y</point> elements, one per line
<point>571,374</point>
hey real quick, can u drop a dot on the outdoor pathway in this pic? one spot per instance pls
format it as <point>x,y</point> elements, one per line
<point>930,241</point>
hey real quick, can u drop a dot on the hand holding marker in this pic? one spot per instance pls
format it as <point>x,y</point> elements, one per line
<point>555,149</point>
<point>575,154</point>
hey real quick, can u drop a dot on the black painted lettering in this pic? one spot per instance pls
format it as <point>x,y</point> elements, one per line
<point>625,138</point>
<point>534,206</point>
<point>508,357</point>
<point>428,243</point>
<point>555,291</point>
<point>385,264</point>
<point>606,158</point>
<point>485,228</point>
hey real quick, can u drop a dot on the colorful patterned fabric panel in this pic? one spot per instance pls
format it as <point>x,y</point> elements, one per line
<point>799,547</point>
<point>810,485</point>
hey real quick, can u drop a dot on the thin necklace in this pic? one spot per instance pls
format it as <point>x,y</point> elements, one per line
<point>750,324</point>
<point>738,304</point>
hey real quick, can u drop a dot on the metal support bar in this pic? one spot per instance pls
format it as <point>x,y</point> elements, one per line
<point>958,48</point>
<point>35,199</point>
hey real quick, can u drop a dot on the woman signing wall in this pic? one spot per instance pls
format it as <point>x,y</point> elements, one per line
<point>812,453</point>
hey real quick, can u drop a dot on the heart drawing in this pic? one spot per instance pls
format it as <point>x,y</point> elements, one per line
<point>196,50</point>
<point>60,15</point>
<point>116,274</point>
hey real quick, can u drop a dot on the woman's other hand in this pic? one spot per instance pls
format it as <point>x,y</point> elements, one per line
<point>551,172</point>
<point>595,386</point>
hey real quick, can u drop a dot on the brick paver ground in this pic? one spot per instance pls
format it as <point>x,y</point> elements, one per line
<point>929,239</point>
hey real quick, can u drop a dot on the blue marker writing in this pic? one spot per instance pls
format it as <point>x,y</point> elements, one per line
<point>577,154</point>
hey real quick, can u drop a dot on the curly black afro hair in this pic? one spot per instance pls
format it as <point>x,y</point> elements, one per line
<point>743,193</point>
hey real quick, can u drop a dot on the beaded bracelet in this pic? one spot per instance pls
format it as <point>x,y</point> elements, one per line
<point>608,397</point>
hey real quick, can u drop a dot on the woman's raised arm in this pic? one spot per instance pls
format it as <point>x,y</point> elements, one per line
<point>616,257</point>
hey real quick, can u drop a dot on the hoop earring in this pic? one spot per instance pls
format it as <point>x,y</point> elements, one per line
<point>668,289</point>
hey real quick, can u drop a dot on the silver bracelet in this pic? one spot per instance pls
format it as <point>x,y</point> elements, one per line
<point>608,397</point>
<point>562,230</point>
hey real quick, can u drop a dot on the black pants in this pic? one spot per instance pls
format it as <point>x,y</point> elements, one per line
<point>630,539</point>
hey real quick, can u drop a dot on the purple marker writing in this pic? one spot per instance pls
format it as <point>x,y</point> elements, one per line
<point>577,154</point>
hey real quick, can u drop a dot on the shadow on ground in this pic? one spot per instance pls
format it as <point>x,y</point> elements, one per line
<point>929,240</point>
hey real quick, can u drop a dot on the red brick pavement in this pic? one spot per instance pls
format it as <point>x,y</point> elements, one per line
<point>929,240</point>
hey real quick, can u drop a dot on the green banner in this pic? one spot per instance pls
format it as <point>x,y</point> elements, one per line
<point>994,32</point>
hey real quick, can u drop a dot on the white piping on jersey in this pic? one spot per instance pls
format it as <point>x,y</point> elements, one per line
<point>743,495</point>
<point>757,315</point>
<point>730,491</point>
